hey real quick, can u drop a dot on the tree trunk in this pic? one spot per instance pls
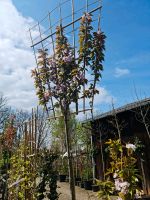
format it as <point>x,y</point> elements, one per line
<point>70,163</point>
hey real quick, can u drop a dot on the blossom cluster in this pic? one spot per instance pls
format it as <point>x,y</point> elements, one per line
<point>86,18</point>
<point>131,146</point>
<point>62,76</point>
<point>122,186</point>
<point>125,175</point>
<point>92,46</point>
<point>61,71</point>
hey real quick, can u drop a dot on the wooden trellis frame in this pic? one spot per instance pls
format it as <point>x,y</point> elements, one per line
<point>43,44</point>
<point>29,139</point>
<point>41,41</point>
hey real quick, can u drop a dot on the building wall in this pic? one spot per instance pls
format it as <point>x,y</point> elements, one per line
<point>104,128</point>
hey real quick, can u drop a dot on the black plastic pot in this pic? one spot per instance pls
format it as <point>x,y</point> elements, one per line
<point>95,188</point>
<point>77,180</point>
<point>145,197</point>
<point>67,179</point>
<point>81,184</point>
<point>88,185</point>
<point>62,177</point>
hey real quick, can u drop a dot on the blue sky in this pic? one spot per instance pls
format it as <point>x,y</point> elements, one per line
<point>127,57</point>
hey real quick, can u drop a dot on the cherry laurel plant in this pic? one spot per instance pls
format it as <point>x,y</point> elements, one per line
<point>67,76</point>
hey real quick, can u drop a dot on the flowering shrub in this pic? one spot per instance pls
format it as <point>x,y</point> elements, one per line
<point>122,171</point>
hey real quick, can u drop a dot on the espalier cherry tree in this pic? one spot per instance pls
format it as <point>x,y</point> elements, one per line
<point>64,77</point>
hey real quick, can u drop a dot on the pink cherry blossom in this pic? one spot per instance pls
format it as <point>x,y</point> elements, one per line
<point>86,17</point>
<point>47,95</point>
<point>67,59</point>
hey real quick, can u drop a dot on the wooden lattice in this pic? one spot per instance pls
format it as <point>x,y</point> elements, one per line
<point>43,35</point>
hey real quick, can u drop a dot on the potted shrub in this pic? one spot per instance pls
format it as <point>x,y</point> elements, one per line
<point>95,187</point>
<point>63,172</point>
<point>77,181</point>
<point>81,184</point>
<point>88,180</point>
<point>62,177</point>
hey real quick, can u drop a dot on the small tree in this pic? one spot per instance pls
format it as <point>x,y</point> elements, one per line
<point>67,76</point>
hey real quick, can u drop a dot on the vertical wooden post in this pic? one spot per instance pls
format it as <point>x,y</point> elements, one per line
<point>70,163</point>
<point>32,131</point>
<point>93,161</point>
<point>35,146</point>
<point>32,146</point>
<point>30,137</point>
<point>25,155</point>
<point>101,154</point>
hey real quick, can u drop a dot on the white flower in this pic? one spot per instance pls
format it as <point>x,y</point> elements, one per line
<point>115,175</point>
<point>125,184</point>
<point>138,194</point>
<point>119,198</point>
<point>117,184</point>
<point>136,179</point>
<point>122,186</point>
<point>131,146</point>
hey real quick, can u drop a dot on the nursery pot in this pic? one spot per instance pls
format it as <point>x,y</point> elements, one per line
<point>62,177</point>
<point>81,184</point>
<point>95,188</point>
<point>77,181</point>
<point>145,197</point>
<point>67,178</point>
<point>88,185</point>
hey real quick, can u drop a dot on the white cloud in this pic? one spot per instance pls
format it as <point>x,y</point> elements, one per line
<point>121,72</point>
<point>104,97</point>
<point>16,57</point>
<point>102,102</point>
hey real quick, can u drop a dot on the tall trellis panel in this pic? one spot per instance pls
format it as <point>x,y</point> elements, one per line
<point>43,36</point>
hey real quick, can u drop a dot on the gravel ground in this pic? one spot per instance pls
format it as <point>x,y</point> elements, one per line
<point>81,194</point>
